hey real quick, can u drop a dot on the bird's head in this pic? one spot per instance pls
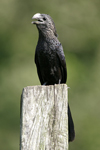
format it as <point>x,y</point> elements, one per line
<point>44,23</point>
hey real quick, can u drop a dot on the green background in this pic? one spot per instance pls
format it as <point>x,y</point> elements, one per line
<point>78,26</point>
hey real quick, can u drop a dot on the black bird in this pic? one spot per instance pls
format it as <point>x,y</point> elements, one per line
<point>50,58</point>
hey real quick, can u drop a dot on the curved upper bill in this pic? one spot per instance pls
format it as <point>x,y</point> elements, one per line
<point>38,18</point>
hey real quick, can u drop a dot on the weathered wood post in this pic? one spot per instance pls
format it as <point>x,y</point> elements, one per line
<point>44,120</point>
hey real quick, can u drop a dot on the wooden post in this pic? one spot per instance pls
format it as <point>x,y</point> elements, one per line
<point>44,120</point>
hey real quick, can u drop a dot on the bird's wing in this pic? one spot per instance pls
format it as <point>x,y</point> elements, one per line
<point>61,57</point>
<point>38,68</point>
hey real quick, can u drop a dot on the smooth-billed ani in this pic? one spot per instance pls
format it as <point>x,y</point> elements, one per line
<point>50,58</point>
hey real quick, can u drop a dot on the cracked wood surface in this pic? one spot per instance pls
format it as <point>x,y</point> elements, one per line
<point>44,120</point>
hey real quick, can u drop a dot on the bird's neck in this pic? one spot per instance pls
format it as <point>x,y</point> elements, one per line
<point>46,35</point>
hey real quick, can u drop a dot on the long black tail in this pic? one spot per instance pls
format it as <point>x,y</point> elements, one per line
<point>71,130</point>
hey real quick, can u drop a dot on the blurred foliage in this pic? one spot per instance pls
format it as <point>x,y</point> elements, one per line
<point>78,26</point>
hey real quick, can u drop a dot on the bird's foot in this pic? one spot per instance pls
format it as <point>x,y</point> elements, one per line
<point>59,81</point>
<point>45,83</point>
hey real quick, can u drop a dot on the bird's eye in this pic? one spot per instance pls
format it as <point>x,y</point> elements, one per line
<point>44,18</point>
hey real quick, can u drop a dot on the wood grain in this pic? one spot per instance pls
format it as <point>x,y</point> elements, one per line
<point>44,120</point>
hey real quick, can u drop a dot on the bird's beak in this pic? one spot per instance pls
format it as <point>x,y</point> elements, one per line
<point>38,19</point>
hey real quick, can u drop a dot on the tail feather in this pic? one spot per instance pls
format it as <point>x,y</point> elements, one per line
<point>71,130</point>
